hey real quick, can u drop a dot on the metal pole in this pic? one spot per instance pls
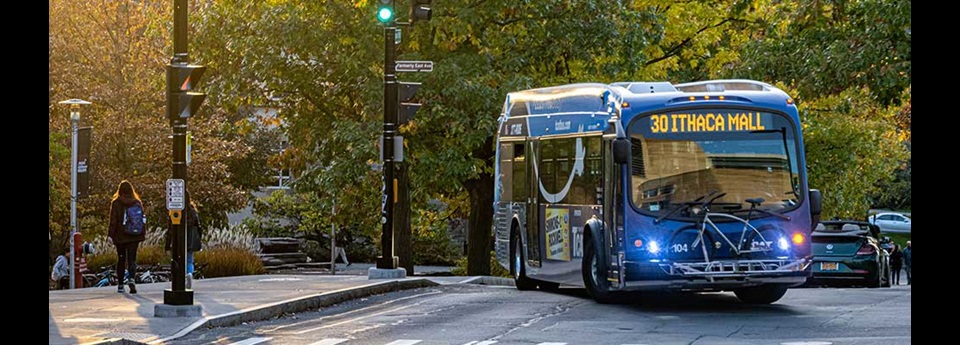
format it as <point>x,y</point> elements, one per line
<point>178,294</point>
<point>74,118</point>
<point>333,241</point>
<point>388,260</point>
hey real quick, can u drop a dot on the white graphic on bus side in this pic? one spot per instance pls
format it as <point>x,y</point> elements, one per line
<point>577,169</point>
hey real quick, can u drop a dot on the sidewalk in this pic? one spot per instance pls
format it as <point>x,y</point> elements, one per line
<point>103,316</point>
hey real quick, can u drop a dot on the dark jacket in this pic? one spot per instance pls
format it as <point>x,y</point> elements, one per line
<point>896,259</point>
<point>194,233</point>
<point>115,231</point>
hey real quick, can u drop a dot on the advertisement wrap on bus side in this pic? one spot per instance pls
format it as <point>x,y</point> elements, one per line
<point>558,234</point>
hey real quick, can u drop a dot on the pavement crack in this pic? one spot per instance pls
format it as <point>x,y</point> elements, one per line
<point>559,309</point>
<point>736,331</point>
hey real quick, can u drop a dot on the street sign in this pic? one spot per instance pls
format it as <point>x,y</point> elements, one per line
<point>414,66</point>
<point>175,194</point>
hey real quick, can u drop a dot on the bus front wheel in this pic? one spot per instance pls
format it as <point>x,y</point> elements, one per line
<point>595,274</point>
<point>763,294</point>
<point>519,271</point>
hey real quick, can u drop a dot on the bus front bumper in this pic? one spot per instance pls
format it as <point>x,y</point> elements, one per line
<point>714,275</point>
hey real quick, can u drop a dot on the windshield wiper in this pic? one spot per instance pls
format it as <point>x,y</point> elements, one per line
<point>755,203</point>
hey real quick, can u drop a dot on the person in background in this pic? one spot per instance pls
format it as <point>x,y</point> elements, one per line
<point>194,237</point>
<point>907,255</point>
<point>61,270</point>
<point>126,243</point>
<point>896,264</point>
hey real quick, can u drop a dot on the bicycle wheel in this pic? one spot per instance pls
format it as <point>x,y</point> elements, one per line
<point>685,245</point>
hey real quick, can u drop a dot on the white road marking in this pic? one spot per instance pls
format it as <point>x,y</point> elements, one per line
<point>251,341</point>
<point>404,342</point>
<point>485,342</point>
<point>330,341</point>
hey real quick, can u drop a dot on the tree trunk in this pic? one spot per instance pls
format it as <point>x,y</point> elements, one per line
<point>481,219</point>
<point>403,235</point>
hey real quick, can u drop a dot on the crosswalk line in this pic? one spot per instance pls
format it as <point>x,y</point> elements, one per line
<point>330,341</point>
<point>404,342</point>
<point>485,342</point>
<point>251,341</point>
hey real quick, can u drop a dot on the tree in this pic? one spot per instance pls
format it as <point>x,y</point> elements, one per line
<point>113,53</point>
<point>851,144</point>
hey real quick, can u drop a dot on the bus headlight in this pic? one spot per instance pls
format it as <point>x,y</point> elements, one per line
<point>653,247</point>
<point>784,245</point>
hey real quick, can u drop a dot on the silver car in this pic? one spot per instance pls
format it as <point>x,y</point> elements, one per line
<point>891,222</point>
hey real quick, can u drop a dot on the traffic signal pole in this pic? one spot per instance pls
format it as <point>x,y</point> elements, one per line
<point>388,260</point>
<point>178,294</point>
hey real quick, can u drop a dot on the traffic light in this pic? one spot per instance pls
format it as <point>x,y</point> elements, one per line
<point>385,11</point>
<point>407,109</point>
<point>181,78</point>
<point>419,10</point>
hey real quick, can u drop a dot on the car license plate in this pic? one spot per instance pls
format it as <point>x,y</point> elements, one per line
<point>828,266</point>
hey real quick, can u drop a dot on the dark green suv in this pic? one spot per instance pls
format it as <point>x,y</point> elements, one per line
<point>848,252</point>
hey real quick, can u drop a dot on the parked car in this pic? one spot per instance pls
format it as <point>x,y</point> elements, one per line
<point>848,252</point>
<point>890,222</point>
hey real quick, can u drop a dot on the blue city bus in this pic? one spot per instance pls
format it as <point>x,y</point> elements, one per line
<point>640,186</point>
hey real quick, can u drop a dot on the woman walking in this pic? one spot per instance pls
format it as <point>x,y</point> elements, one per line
<point>896,263</point>
<point>126,230</point>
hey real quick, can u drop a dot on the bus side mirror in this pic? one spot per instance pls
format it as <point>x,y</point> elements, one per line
<point>621,151</point>
<point>816,200</point>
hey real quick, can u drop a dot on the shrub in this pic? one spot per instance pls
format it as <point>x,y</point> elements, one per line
<point>227,262</point>
<point>146,256</point>
<point>151,255</point>
<point>238,236</point>
<point>103,258</point>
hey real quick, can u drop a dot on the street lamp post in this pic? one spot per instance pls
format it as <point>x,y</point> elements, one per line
<point>74,120</point>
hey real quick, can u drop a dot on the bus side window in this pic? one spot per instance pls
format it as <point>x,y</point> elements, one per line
<point>547,167</point>
<point>594,171</point>
<point>506,172</point>
<point>520,192</point>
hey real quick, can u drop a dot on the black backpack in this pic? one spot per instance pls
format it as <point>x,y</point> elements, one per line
<point>133,220</point>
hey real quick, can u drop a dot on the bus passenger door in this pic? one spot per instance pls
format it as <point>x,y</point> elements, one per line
<point>533,207</point>
<point>611,211</point>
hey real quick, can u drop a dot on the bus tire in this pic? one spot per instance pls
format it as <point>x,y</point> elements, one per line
<point>517,266</point>
<point>763,294</point>
<point>594,276</point>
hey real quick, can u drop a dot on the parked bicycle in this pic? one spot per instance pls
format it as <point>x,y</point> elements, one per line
<point>153,274</point>
<point>104,278</point>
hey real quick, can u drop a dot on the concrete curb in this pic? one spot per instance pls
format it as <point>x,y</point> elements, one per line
<point>294,305</point>
<point>489,280</point>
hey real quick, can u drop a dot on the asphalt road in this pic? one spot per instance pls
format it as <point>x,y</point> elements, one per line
<point>486,315</point>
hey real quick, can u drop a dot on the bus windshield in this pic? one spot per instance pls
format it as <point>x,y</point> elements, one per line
<point>680,156</point>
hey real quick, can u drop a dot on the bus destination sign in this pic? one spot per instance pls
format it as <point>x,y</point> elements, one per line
<point>709,122</point>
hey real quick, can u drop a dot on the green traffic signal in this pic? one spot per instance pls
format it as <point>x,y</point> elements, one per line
<point>384,14</point>
<point>385,11</point>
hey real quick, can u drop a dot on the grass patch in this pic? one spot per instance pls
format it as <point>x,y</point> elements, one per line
<point>898,238</point>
